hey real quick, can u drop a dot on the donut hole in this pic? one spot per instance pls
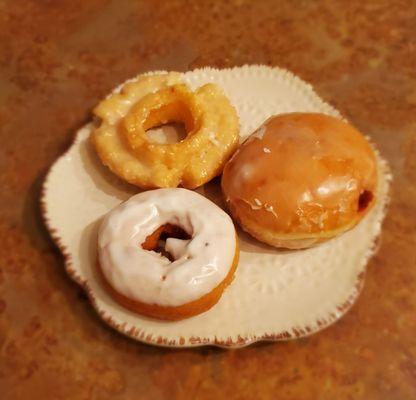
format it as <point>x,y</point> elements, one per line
<point>169,123</point>
<point>172,132</point>
<point>364,200</point>
<point>156,241</point>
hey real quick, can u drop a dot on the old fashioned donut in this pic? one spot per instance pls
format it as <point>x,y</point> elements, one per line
<point>301,179</point>
<point>149,101</point>
<point>196,264</point>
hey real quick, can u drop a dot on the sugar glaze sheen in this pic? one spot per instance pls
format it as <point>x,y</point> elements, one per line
<point>300,179</point>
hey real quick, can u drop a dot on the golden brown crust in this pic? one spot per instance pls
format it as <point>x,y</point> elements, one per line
<point>123,145</point>
<point>176,313</point>
<point>301,179</point>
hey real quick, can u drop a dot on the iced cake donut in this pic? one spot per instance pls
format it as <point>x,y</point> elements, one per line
<point>149,101</point>
<point>301,179</point>
<point>187,274</point>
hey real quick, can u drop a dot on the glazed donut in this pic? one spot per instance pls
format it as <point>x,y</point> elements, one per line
<point>301,179</point>
<point>149,101</point>
<point>197,263</point>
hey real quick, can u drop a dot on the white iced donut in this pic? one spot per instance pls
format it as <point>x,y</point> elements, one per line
<point>199,266</point>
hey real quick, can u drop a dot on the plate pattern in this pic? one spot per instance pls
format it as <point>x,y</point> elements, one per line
<point>275,295</point>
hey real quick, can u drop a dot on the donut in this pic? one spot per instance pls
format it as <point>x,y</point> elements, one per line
<point>300,179</point>
<point>150,101</point>
<point>192,269</point>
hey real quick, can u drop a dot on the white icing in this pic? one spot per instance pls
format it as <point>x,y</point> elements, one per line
<point>200,264</point>
<point>266,150</point>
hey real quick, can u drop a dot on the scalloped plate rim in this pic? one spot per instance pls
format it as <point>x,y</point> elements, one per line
<point>229,344</point>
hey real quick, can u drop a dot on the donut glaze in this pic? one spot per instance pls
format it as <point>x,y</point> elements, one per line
<point>200,264</point>
<point>300,179</point>
<point>149,101</point>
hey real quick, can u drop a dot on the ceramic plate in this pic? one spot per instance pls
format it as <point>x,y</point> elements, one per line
<point>276,295</point>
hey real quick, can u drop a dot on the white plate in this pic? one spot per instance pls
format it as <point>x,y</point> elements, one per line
<point>276,295</point>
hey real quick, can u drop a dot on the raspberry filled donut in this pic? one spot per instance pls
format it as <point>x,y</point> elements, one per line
<point>301,179</point>
<point>189,273</point>
<point>149,101</point>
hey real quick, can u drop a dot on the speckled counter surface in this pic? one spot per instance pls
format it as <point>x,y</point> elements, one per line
<point>57,59</point>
